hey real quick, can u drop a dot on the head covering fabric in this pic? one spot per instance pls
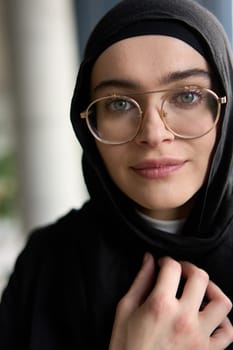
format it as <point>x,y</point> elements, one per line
<point>172,28</point>
<point>207,225</point>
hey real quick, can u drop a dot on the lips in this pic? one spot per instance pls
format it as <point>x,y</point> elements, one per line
<point>158,168</point>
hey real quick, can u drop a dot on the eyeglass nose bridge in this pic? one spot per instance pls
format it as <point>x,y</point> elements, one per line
<point>156,105</point>
<point>154,108</point>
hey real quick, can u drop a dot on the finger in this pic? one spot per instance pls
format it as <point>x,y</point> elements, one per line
<point>195,286</point>
<point>217,308</point>
<point>142,284</point>
<point>168,279</point>
<point>222,336</point>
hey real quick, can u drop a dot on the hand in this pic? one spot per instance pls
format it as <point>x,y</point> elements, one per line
<point>151,317</point>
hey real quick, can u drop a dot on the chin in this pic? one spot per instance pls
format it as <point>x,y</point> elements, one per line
<point>167,209</point>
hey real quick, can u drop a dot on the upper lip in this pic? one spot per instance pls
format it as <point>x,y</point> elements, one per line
<point>157,163</point>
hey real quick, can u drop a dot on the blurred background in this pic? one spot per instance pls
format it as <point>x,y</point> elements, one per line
<point>41,44</point>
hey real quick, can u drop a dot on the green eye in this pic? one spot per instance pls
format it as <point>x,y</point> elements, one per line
<point>120,105</point>
<point>187,97</point>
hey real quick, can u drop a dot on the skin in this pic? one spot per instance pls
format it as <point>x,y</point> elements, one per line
<point>161,197</point>
<point>150,316</point>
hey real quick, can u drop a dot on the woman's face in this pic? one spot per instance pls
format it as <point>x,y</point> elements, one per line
<point>157,170</point>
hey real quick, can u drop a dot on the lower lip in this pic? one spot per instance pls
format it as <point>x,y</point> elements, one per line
<point>158,173</point>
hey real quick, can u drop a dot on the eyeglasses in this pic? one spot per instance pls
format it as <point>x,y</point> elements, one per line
<point>188,112</point>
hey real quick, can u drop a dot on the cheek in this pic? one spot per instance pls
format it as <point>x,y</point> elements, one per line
<point>204,152</point>
<point>113,157</point>
<point>113,164</point>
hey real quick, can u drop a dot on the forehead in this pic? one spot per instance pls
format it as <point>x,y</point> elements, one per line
<point>146,59</point>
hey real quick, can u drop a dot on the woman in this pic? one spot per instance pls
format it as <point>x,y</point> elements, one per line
<point>152,110</point>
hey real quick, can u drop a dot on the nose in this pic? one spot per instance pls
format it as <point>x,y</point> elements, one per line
<point>153,130</point>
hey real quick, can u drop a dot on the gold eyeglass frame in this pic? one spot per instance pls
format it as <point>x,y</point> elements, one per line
<point>220,101</point>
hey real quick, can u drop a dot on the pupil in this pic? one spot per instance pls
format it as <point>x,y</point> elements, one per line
<point>121,105</point>
<point>188,97</point>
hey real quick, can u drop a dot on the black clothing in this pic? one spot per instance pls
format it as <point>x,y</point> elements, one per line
<point>63,294</point>
<point>71,275</point>
<point>66,286</point>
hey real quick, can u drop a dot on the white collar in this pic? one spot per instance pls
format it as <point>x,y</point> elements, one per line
<point>170,226</point>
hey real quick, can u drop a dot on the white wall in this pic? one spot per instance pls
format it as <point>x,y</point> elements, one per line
<point>45,63</point>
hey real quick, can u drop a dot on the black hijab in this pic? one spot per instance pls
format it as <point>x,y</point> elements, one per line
<point>209,221</point>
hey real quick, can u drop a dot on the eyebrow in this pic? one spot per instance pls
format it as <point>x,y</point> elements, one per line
<point>180,75</point>
<point>171,77</point>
